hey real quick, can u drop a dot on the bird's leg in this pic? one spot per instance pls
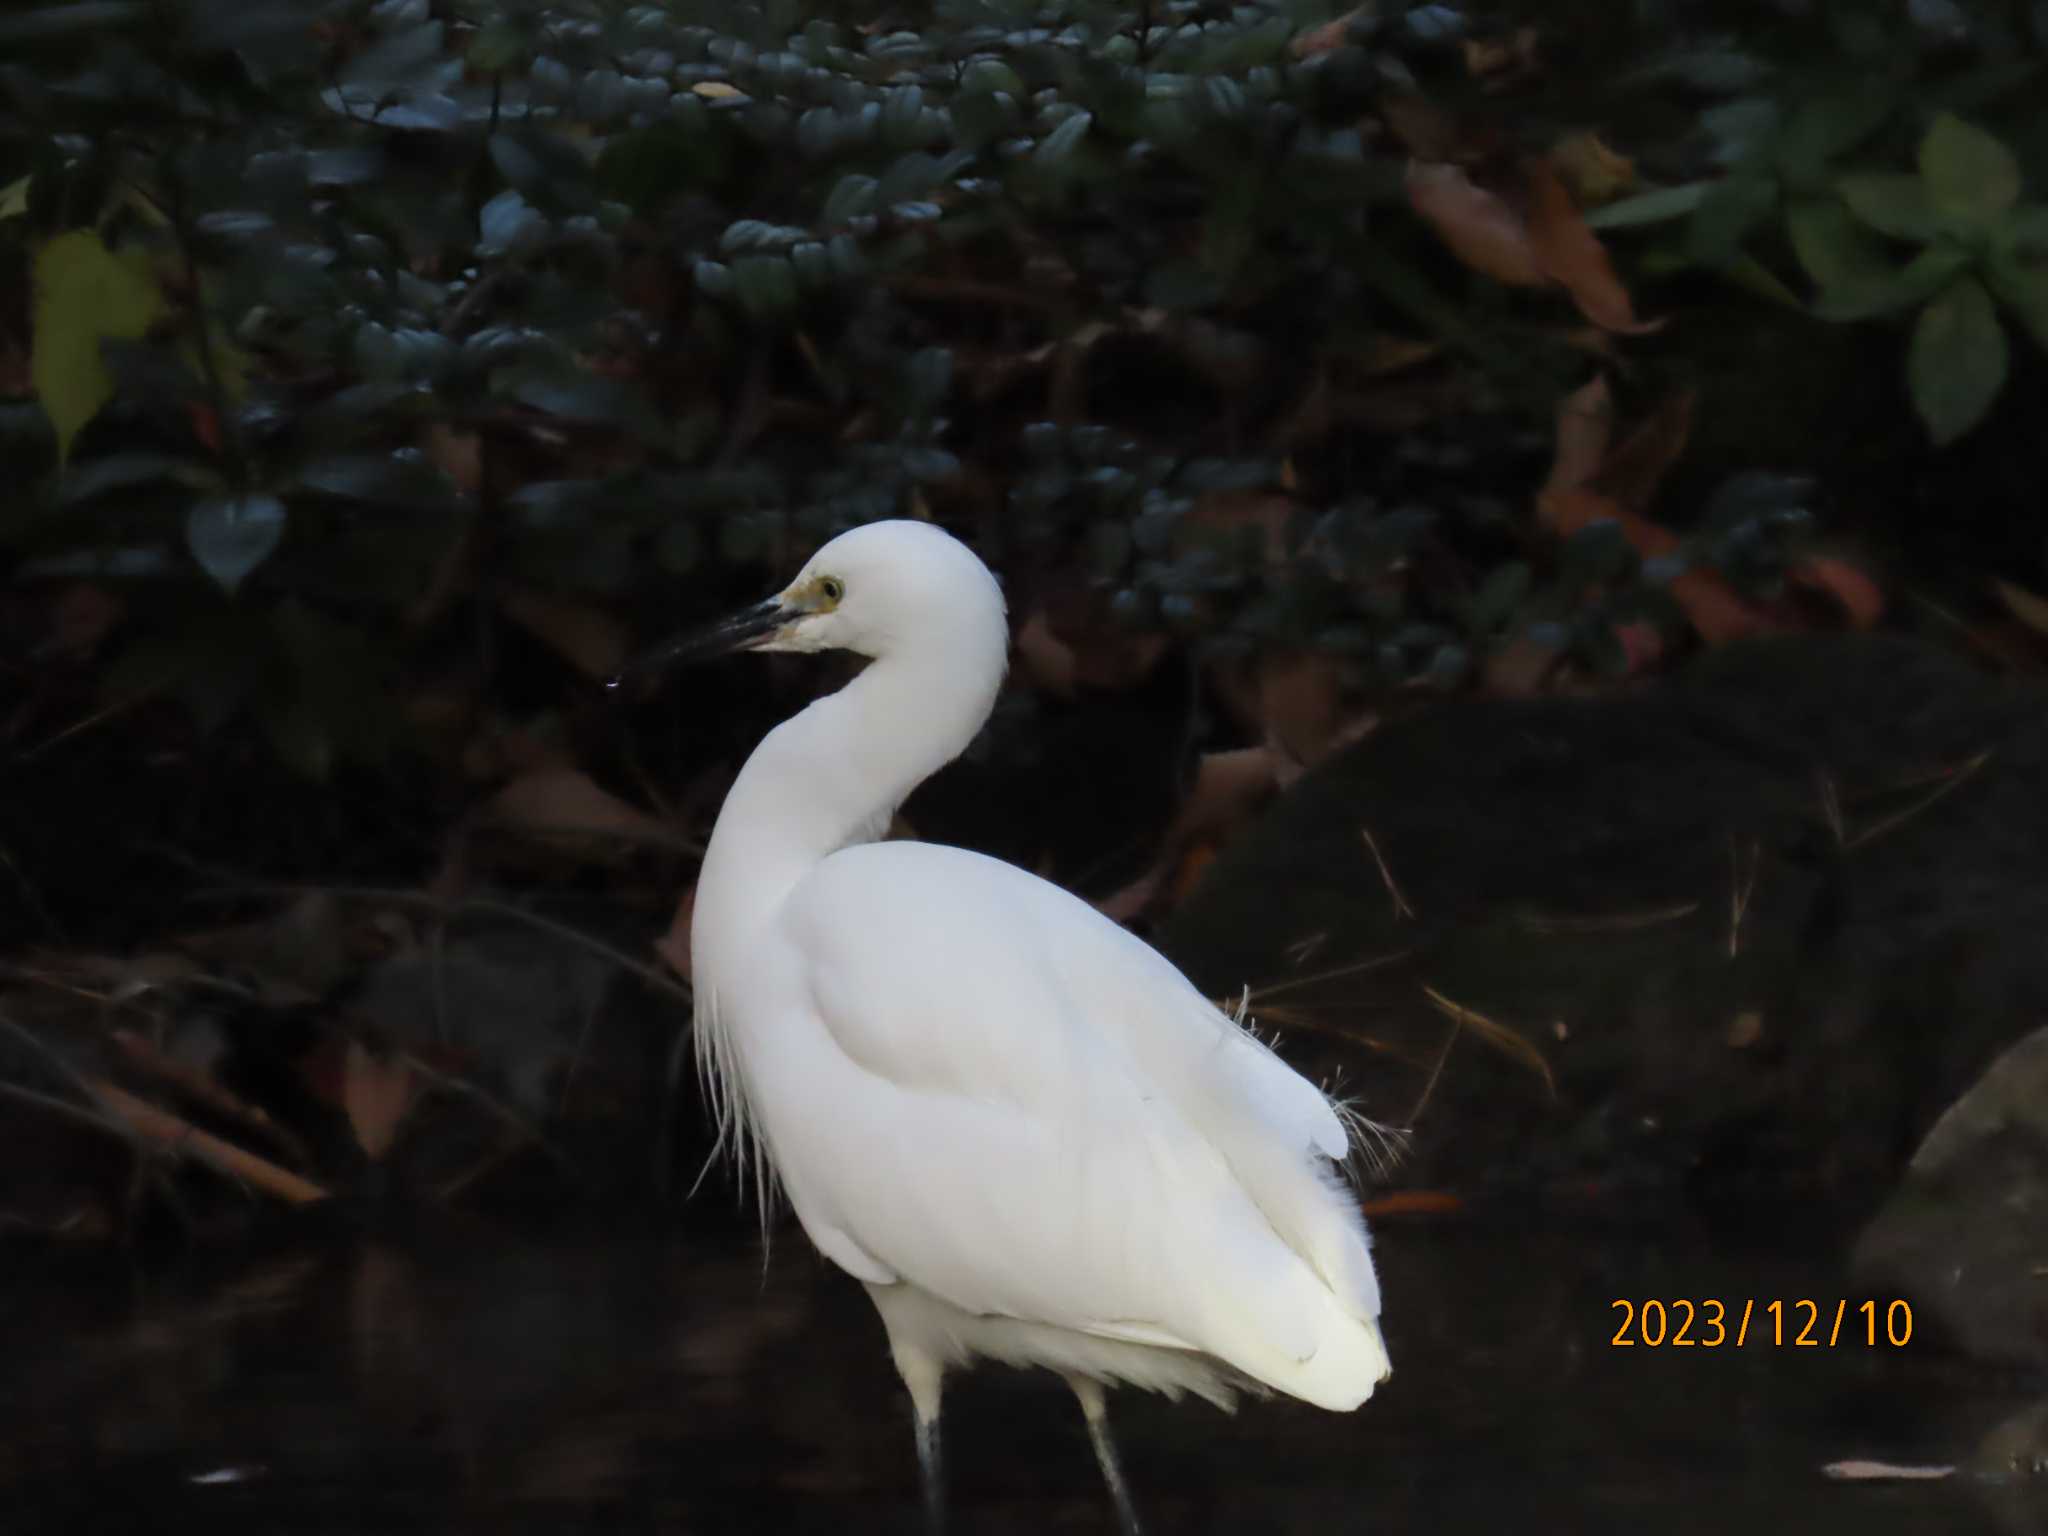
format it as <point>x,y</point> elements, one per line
<point>924,1377</point>
<point>931,1468</point>
<point>1095,1409</point>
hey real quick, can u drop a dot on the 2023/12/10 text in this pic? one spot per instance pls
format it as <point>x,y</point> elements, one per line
<point>1711,1323</point>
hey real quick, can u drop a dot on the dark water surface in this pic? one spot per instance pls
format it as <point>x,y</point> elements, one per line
<point>475,1385</point>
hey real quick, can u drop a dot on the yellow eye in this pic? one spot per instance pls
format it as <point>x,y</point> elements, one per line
<point>832,589</point>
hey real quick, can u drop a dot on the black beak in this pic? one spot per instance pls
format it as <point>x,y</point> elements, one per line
<point>738,632</point>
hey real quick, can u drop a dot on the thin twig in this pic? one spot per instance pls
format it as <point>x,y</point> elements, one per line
<point>1899,818</point>
<point>1610,922</point>
<point>653,976</point>
<point>1511,1041</point>
<point>68,1110</point>
<point>497,1107</point>
<point>41,1047</point>
<point>184,1139</point>
<point>1272,989</point>
<point>86,723</point>
<point>1740,891</point>
<point>1830,805</point>
<point>145,1055</point>
<point>1437,1071</point>
<point>1401,907</point>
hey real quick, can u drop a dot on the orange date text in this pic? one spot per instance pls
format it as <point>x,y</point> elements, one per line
<point>1711,1323</point>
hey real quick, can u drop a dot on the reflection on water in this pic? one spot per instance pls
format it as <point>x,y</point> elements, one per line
<point>483,1386</point>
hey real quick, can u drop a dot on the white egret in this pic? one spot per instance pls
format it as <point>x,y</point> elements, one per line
<point>1015,1122</point>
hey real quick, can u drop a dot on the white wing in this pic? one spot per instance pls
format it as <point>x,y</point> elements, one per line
<point>1025,1110</point>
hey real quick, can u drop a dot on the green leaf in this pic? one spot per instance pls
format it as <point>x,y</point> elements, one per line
<point>125,471</point>
<point>393,479</point>
<point>1228,230</point>
<point>1057,147</point>
<point>1649,207</point>
<point>1829,125</point>
<point>1729,210</point>
<point>591,399</point>
<point>766,285</point>
<point>2017,267</point>
<point>1971,177</point>
<point>1499,598</point>
<point>1957,363</point>
<point>1892,205</point>
<point>231,535</point>
<point>85,294</point>
<point>500,44</point>
<point>1919,279</point>
<point>14,197</point>
<point>649,169</point>
<point>508,223</point>
<point>1834,248</point>
<point>987,76</point>
<point>1752,276</point>
<point>82,16</point>
<point>547,167</point>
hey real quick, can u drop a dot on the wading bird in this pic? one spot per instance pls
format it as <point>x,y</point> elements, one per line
<point>1014,1122</point>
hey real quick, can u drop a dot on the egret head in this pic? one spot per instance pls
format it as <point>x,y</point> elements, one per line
<point>875,590</point>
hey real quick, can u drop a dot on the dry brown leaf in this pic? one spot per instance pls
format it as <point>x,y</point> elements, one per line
<point>716,90</point>
<point>1107,653</point>
<point>377,1095</point>
<point>500,748</point>
<point>1857,1471</point>
<point>1501,60</point>
<point>80,617</point>
<point>1595,173</point>
<point>1229,787</point>
<point>1330,35</point>
<point>1301,704</point>
<point>1425,130</point>
<point>1715,609</point>
<point>1634,470</point>
<point>458,454</point>
<point>181,1138</point>
<point>1044,660</point>
<point>1413,1202</point>
<point>563,800</point>
<point>2030,608</point>
<point>199,1083</point>
<point>588,638</point>
<point>1745,1029</point>
<point>1130,902</point>
<point>1480,228</point>
<point>674,945</point>
<point>1567,252</point>
<point>1385,354</point>
<point>1585,426</point>
<point>1860,598</point>
<point>1519,668</point>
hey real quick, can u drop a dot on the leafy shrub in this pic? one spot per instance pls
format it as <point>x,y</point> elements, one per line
<point>351,328</point>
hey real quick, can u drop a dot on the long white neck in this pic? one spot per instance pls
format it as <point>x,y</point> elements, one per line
<point>832,777</point>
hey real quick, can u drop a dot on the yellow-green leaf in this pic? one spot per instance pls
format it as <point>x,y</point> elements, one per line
<point>1971,176</point>
<point>1832,246</point>
<point>1898,206</point>
<point>2017,267</point>
<point>1958,360</point>
<point>85,294</point>
<point>14,198</point>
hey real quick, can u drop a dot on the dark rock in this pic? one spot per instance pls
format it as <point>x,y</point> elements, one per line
<point>1753,927</point>
<point>1965,1235</point>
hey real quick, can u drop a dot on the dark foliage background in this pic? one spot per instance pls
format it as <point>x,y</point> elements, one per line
<point>374,377</point>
